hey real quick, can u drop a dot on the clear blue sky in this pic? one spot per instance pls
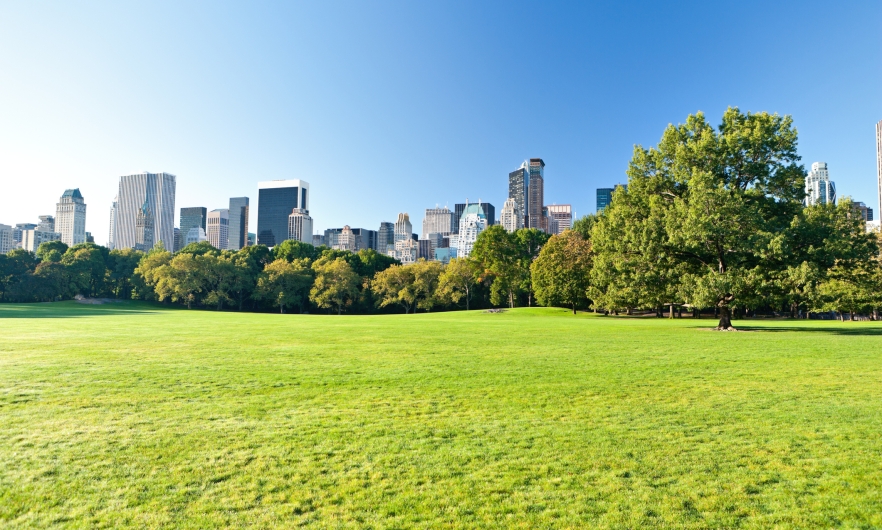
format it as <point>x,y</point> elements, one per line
<point>397,106</point>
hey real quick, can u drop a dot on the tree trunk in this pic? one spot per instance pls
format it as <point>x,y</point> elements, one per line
<point>671,314</point>
<point>725,323</point>
<point>574,308</point>
<point>467,298</point>
<point>875,313</point>
<point>281,309</point>
<point>629,313</point>
<point>851,315</point>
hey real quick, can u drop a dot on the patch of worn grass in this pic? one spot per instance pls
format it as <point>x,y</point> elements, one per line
<point>135,415</point>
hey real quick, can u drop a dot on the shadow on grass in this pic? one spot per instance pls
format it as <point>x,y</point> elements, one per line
<point>72,309</point>
<point>846,329</point>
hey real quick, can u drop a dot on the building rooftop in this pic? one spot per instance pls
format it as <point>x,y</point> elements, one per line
<point>73,194</point>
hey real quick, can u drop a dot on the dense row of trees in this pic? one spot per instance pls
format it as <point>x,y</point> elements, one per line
<point>711,218</point>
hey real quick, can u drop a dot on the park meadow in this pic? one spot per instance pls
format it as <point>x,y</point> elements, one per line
<point>139,414</point>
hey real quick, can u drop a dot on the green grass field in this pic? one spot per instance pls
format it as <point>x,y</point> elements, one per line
<point>135,415</point>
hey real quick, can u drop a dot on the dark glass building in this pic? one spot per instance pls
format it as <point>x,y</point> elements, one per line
<point>519,190</point>
<point>488,209</point>
<point>238,223</point>
<point>276,199</point>
<point>604,196</point>
<point>194,217</point>
<point>536,201</point>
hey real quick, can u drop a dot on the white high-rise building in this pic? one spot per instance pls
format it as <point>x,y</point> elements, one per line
<point>511,217</point>
<point>879,163</point>
<point>300,226</point>
<point>32,239</point>
<point>217,228</point>
<point>157,190</point>
<point>406,251</point>
<point>439,221</point>
<point>403,228</point>
<point>819,189</point>
<point>471,224</point>
<point>6,240</point>
<point>563,215</point>
<point>70,217</point>
<point>114,208</point>
<point>194,235</point>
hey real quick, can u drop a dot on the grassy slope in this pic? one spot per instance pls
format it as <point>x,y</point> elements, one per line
<point>134,415</point>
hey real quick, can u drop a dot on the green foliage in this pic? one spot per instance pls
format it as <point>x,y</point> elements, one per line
<point>458,281</point>
<point>51,251</point>
<point>285,284</point>
<point>336,284</point>
<point>410,286</point>
<point>562,271</point>
<point>200,249</point>
<point>291,249</point>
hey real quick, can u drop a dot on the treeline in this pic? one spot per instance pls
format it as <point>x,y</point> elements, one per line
<point>292,277</point>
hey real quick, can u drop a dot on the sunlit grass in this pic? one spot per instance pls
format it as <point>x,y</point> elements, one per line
<point>129,414</point>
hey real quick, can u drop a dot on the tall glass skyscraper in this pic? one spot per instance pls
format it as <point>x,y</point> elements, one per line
<point>535,219</point>
<point>192,217</point>
<point>157,192</point>
<point>239,223</point>
<point>519,190</point>
<point>276,200</point>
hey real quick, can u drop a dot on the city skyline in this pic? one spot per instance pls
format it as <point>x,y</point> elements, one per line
<point>235,114</point>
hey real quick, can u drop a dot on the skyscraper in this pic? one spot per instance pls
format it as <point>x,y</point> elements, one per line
<point>438,220</point>
<point>604,196</point>
<point>218,228</point>
<point>6,241</point>
<point>471,224</point>
<point>239,223</point>
<point>537,195</point>
<point>488,209</point>
<point>879,161</point>
<point>819,189</point>
<point>114,209</point>
<point>385,237</point>
<point>144,228</point>
<point>70,217</point>
<point>865,211</point>
<point>511,218</point>
<point>563,214</point>
<point>157,191</point>
<point>276,201</point>
<point>519,190</point>
<point>300,226</point>
<point>192,217</point>
<point>403,228</point>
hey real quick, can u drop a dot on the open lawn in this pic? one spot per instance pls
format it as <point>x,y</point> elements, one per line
<point>136,415</point>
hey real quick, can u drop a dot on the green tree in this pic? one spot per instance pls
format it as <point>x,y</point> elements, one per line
<point>51,251</point>
<point>529,244</point>
<point>562,271</point>
<point>336,284</point>
<point>703,209</point>
<point>200,249</point>
<point>121,265</point>
<point>15,268</point>
<point>87,266</point>
<point>395,286</point>
<point>425,283</point>
<point>285,284</point>
<point>457,281</point>
<point>498,254</point>
<point>291,249</point>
